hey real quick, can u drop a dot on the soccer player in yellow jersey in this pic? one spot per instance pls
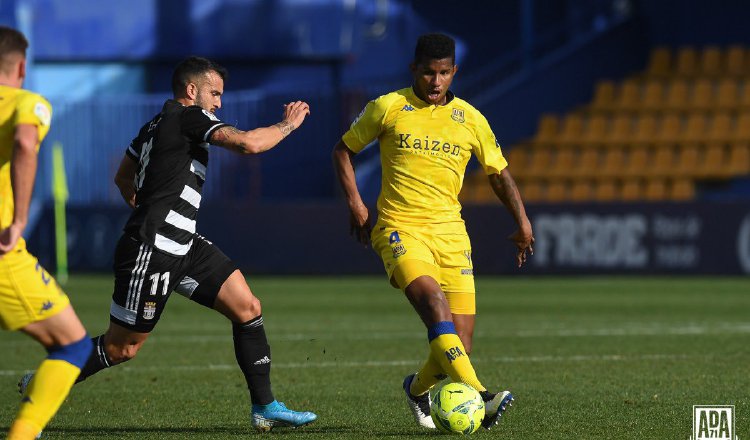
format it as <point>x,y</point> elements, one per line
<point>30,300</point>
<point>427,136</point>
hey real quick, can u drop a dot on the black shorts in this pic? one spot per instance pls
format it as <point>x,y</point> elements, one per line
<point>145,277</point>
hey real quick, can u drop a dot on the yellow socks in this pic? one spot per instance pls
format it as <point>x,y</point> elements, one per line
<point>46,392</point>
<point>448,351</point>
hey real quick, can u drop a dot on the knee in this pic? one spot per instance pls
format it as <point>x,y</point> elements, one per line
<point>122,353</point>
<point>250,309</point>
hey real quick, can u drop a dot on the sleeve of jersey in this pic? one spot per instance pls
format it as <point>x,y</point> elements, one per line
<point>198,124</point>
<point>488,150</point>
<point>34,110</point>
<point>367,126</point>
<point>134,150</point>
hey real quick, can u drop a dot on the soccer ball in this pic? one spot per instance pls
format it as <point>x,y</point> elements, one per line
<point>457,409</point>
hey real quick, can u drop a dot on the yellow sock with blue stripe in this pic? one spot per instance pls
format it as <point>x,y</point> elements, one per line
<point>46,392</point>
<point>430,374</point>
<point>448,350</point>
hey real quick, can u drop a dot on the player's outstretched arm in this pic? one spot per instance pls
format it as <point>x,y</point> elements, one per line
<point>125,179</point>
<point>360,217</point>
<point>22,174</point>
<point>506,190</point>
<point>263,138</point>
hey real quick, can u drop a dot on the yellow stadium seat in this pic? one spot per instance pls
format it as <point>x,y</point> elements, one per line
<point>695,129</point>
<point>682,190</point>
<point>687,61</point>
<point>710,63</point>
<point>547,131</point>
<point>629,97</point>
<point>739,159</point>
<point>540,161</point>
<point>571,130</point>
<point>645,130</point>
<point>727,95</point>
<point>669,130</point>
<point>721,128</point>
<point>653,96</point>
<point>702,96</point>
<point>637,162</point>
<point>659,62</point>
<point>595,131</point>
<point>605,191</point>
<point>613,163</point>
<point>713,165</point>
<point>604,96</point>
<point>631,190</point>
<point>656,190</point>
<point>581,191</point>
<point>688,161</point>
<point>531,191</point>
<point>735,61</point>
<point>663,162</point>
<point>518,159</point>
<point>677,95</point>
<point>557,191</point>
<point>622,130</point>
<point>588,163</point>
<point>564,162</point>
<point>741,132</point>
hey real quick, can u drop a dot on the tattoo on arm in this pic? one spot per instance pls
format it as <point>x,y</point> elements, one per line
<point>506,190</point>
<point>224,137</point>
<point>285,127</point>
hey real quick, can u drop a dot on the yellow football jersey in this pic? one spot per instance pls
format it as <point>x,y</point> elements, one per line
<point>17,106</point>
<point>424,150</point>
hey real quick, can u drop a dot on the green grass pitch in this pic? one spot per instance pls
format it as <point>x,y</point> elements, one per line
<point>587,358</point>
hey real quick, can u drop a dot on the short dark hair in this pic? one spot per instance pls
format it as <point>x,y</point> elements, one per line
<point>435,47</point>
<point>12,41</point>
<point>191,67</point>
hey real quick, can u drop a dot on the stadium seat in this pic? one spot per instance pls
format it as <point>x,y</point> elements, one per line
<point>710,62</point>
<point>735,61</point>
<point>604,96</point>
<point>695,129</point>
<point>727,95</point>
<point>605,191</point>
<point>721,128</point>
<point>571,131</point>
<point>739,159</point>
<point>702,95</point>
<point>741,132</point>
<point>687,61</point>
<point>629,98</point>
<point>713,165</point>
<point>682,190</point>
<point>546,132</point>
<point>677,95</point>
<point>581,191</point>
<point>663,162</point>
<point>563,163</point>
<point>653,96</point>
<point>622,130</point>
<point>588,163</point>
<point>637,162</point>
<point>531,191</point>
<point>688,161</point>
<point>540,161</point>
<point>613,163</point>
<point>557,191</point>
<point>631,190</point>
<point>645,130</point>
<point>656,190</point>
<point>595,131</point>
<point>669,130</point>
<point>659,62</point>
<point>518,160</point>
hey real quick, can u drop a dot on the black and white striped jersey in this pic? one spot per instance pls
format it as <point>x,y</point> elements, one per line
<point>172,155</point>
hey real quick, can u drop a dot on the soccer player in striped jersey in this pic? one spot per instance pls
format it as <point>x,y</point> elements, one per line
<point>161,177</point>
<point>427,136</point>
<point>30,299</point>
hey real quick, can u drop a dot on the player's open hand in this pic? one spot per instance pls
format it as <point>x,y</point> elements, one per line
<point>9,237</point>
<point>359,222</point>
<point>524,240</point>
<point>295,113</point>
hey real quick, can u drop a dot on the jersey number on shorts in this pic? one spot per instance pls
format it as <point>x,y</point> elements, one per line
<point>155,282</point>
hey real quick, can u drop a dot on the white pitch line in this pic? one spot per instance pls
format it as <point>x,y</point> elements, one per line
<point>395,363</point>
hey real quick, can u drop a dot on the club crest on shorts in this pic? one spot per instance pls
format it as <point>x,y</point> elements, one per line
<point>396,246</point>
<point>149,310</point>
<point>458,115</point>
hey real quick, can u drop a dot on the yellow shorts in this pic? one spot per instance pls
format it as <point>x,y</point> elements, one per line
<point>409,254</point>
<point>27,292</point>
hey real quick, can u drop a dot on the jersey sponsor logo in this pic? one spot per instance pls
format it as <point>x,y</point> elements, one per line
<point>407,108</point>
<point>149,310</point>
<point>453,353</point>
<point>467,271</point>
<point>210,115</point>
<point>42,112</point>
<point>458,115</point>
<point>427,145</point>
